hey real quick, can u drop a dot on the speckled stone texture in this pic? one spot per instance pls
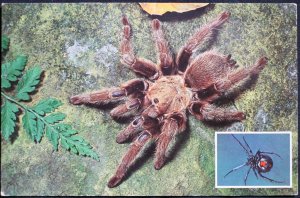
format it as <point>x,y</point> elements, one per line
<point>77,47</point>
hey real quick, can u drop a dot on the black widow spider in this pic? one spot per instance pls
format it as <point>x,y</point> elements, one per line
<point>259,162</point>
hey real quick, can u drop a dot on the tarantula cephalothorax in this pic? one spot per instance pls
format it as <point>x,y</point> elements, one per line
<point>159,102</point>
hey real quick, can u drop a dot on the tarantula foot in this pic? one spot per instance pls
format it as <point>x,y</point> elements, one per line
<point>128,60</point>
<point>155,24</point>
<point>240,116</point>
<point>263,61</point>
<point>125,20</point>
<point>224,15</point>
<point>126,109</point>
<point>76,100</point>
<point>259,66</point>
<point>159,164</point>
<point>114,181</point>
<point>121,138</point>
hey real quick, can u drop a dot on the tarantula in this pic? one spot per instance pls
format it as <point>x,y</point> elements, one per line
<point>171,88</point>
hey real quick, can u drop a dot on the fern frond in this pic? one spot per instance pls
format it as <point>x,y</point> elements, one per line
<point>10,71</point>
<point>47,105</point>
<point>8,118</point>
<point>28,83</point>
<point>4,43</point>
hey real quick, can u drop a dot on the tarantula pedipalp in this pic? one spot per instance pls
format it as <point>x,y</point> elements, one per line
<point>160,102</point>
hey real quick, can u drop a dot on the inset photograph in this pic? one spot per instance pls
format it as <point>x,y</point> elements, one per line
<point>253,160</point>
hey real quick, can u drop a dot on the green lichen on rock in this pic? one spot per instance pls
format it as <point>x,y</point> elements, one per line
<point>77,45</point>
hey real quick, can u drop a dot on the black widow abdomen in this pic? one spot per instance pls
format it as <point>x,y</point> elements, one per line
<point>264,164</point>
<point>259,163</point>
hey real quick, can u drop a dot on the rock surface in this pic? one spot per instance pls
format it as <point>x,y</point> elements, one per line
<point>77,46</point>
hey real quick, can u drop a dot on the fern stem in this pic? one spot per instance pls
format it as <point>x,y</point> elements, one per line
<point>24,107</point>
<point>14,101</point>
<point>27,109</point>
<point>37,115</point>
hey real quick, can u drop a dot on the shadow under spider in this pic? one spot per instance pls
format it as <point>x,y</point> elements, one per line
<point>216,125</point>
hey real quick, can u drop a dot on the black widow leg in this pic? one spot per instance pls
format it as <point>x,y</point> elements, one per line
<point>271,180</point>
<point>247,145</point>
<point>271,153</point>
<point>236,168</point>
<point>248,152</point>
<point>246,177</point>
<point>255,172</point>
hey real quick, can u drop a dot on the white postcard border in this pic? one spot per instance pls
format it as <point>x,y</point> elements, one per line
<point>265,133</point>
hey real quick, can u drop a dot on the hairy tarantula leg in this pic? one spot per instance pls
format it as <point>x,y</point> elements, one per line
<point>235,77</point>
<point>208,112</point>
<point>194,109</point>
<point>99,97</point>
<point>198,38</point>
<point>132,129</point>
<point>164,56</point>
<point>111,95</point>
<point>271,180</point>
<point>225,87</point>
<point>152,111</point>
<point>135,85</point>
<point>173,125</point>
<point>139,124</point>
<point>138,65</point>
<point>136,148</point>
<point>130,108</point>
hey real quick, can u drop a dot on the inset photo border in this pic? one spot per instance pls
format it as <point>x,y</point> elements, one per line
<point>253,160</point>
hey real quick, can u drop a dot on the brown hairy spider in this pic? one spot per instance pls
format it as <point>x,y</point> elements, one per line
<point>172,88</point>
